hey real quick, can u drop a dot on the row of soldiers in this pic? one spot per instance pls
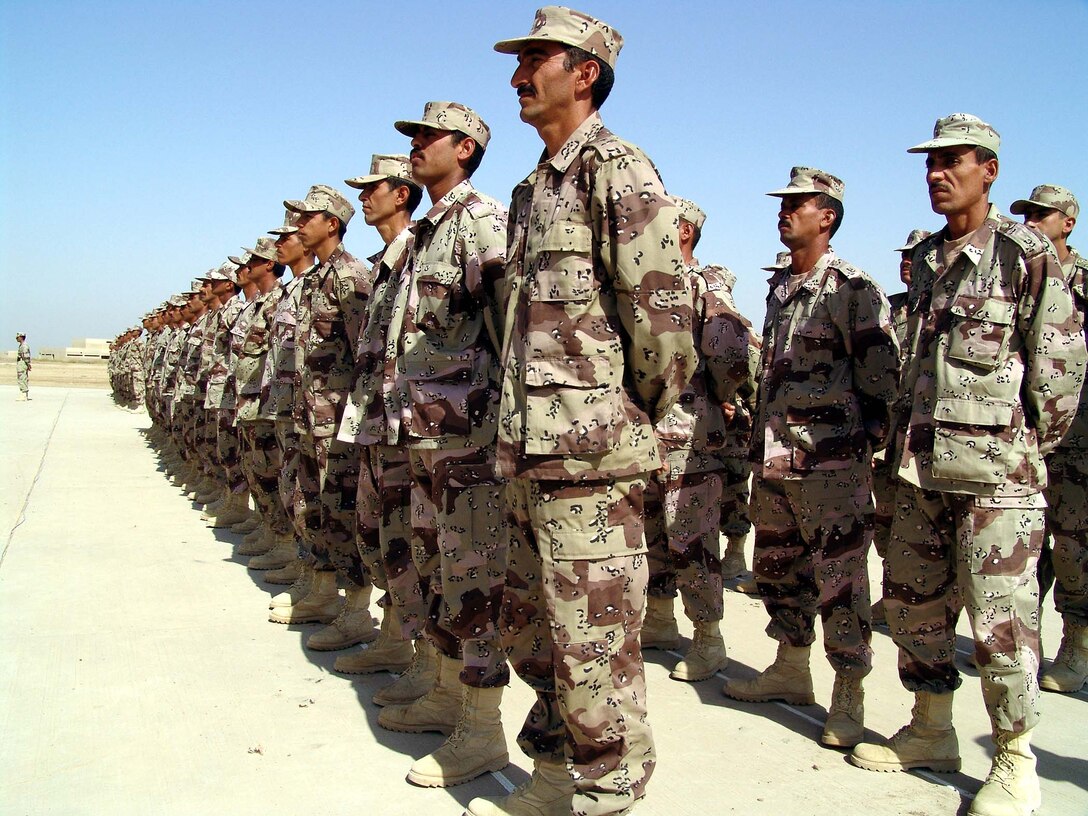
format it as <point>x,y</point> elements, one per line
<point>528,427</point>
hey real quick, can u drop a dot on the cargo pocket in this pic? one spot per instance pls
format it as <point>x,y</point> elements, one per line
<point>820,439</point>
<point>980,331</point>
<point>440,390</point>
<point>436,283</point>
<point>572,406</point>
<point>565,264</point>
<point>971,440</point>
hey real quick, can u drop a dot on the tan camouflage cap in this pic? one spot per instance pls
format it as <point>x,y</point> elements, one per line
<point>569,27</point>
<point>323,198</point>
<point>811,180</point>
<point>916,237</point>
<point>781,261</point>
<point>448,116</point>
<point>690,212</point>
<point>960,129</point>
<point>19,334</point>
<point>197,286</point>
<point>1050,197</point>
<point>384,166</point>
<point>265,249</point>
<point>239,260</point>
<point>178,301</point>
<point>290,224</point>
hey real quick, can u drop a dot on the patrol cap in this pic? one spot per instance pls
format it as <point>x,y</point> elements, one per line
<point>1050,197</point>
<point>177,301</point>
<point>290,224</point>
<point>384,166</point>
<point>19,334</point>
<point>569,27</point>
<point>322,198</point>
<point>265,250</point>
<point>690,212</point>
<point>448,116</point>
<point>781,261</point>
<point>225,271</point>
<point>960,129</point>
<point>810,180</point>
<point>916,237</point>
<point>238,261</point>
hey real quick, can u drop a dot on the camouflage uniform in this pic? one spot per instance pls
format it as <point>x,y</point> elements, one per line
<point>994,367</point>
<point>220,399</point>
<point>22,367</point>
<point>598,347</point>
<point>830,371</point>
<point>683,501</point>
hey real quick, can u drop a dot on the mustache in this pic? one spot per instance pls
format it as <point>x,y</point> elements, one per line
<point>526,90</point>
<point>939,188</point>
<point>415,153</point>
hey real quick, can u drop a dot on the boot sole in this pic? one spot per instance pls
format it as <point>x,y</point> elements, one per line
<point>785,697</point>
<point>934,765</point>
<point>1049,685</point>
<point>377,667</point>
<point>286,620</point>
<point>696,678</point>
<point>445,782</point>
<point>440,728</point>
<point>262,567</point>
<point>268,579</point>
<point>382,702</point>
<point>835,742</point>
<point>336,647</point>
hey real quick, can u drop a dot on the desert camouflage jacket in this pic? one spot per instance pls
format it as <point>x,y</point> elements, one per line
<point>189,384</point>
<point>830,372</point>
<point>278,377</point>
<point>23,355</point>
<point>331,312</point>
<point>171,360</point>
<point>249,348</point>
<point>447,370</point>
<point>220,383</point>
<point>694,432</point>
<point>372,414</point>
<point>1075,441</point>
<point>598,326</point>
<point>738,433</point>
<point>995,364</point>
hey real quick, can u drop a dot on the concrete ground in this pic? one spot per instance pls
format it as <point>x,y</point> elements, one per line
<point>140,675</point>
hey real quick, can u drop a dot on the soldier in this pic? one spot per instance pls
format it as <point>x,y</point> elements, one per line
<point>597,348</point>
<point>683,503</point>
<point>332,306</point>
<point>22,368</point>
<point>446,377</point>
<point>372,420</point>
<point>883,480</point>
<point>1053,211</point>
<point>830,371</point>
<point>994,368</point>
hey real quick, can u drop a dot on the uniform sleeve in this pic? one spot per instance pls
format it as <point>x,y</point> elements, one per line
<point>872,345</point>
<point>727,348</point>
<point>354,285</point>
<point>1055,349</point>
<point>635,224</point>
<point>483,258</point>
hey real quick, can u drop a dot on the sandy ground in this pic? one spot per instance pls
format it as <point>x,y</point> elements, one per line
<point>140,675</point>
<point>59,373</point>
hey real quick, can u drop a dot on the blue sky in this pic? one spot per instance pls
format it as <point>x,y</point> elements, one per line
<point>141,143</point>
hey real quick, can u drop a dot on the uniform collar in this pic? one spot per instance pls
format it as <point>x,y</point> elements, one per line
<point>460,192</point>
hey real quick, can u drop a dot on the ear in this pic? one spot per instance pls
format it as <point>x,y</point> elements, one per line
<point>1067,225</point>
<point>586,74</point>
<point>400,196</point>
<point>465,148</point>
<point>991,169</point>
<point>687,231</point>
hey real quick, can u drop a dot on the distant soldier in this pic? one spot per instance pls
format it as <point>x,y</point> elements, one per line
<point>22,368</point>
<point>830,375</point>
<point>994,369</point>
<point>1053,211</point>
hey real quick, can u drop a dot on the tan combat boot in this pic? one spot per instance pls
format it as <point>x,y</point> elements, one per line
<point>321,605</point>
<point>388,653</point>
<point>258,542</point>
<point>1012,788</point>
<point>416,681</point>
<point>284,551</point>
<point>352,626</point>
<point>927,741</point>
<point>437,710</point>
<point>706,656</point>
<point>298,590</point>
<point>845,725</point>
<point>285,575</point>
<point>659,629</point>
<point>549,792</point>
<point>252,523</point>
<point>733,563</point>
<point>235,509</point>
<point>787,679</point>
<point>1069,671</point>
<point>476,746</point>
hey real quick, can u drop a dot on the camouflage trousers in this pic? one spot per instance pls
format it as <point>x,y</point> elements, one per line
<point>138,386</point>
<point>884,489</point>
<point>22,377</point>
<point>683,518</point>
<point>736,497</point>
<point>287,440</point>
<point>461,510</point>
<point>812,543</point>
<point>228,450</point>
<point>261,464</point>
<point>384,516</point>
<point>572,616</point>
<point>950,552</point>
<point>1067,526</point>
<point>328,476</point>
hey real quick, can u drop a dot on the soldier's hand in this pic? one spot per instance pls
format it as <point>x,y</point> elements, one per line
<point>729,410</point>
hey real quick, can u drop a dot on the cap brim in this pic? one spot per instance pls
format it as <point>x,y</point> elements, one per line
<point>283,231</point>
<point>936,144</point>
<point>517,43</point>
<point>359,182</point>
<point>300,207</point>
<point>1022,205</point>
<point>785,191</point>
<point>409,128</point>
<point>235,260</point>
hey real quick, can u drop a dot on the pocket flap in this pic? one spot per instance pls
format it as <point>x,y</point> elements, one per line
<point>567,236</point>
<point>579,372</point>
<point>437,271</point>
<point>440,367</point>
<point>988,309</point>
<point>966,411</point>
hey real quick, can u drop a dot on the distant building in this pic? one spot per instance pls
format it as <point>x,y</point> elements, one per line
<point>88,348</point>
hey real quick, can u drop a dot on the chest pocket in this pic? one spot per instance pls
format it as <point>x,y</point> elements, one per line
<point>439,294</point>
<point>565,264</point>
<point>980,331</point>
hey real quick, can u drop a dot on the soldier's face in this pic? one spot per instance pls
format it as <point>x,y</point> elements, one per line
<point>379,202</point>
<point>957,182</point>
<point>800,220</point>
<point>434,156</point>
<point>313,229</point>
<point>1054,224</point>
<point>904,268</point>
<point>543,85</point>
<point>289,249</point>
